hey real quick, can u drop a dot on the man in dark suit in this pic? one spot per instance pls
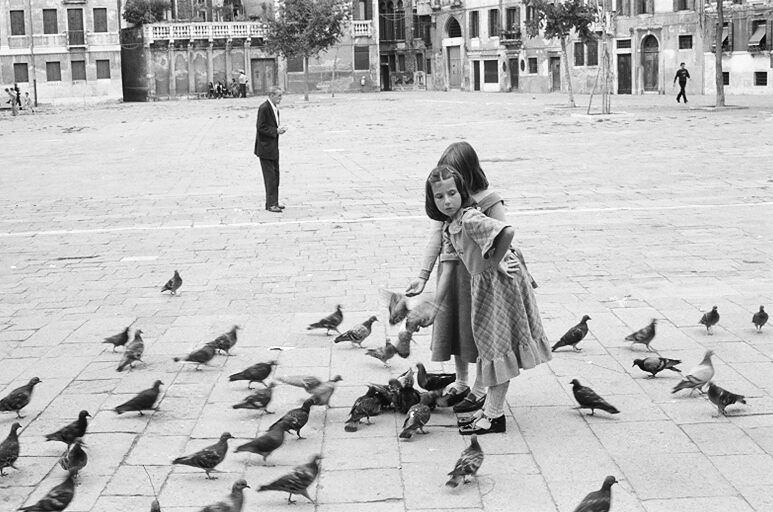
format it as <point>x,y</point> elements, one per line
<point>267,147</point>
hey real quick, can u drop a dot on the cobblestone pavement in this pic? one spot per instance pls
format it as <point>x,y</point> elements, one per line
<point>657,211</point>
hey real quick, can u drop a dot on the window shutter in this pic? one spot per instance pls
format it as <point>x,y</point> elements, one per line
<point>650,6</point>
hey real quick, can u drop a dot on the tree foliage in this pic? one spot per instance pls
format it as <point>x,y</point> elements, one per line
<point>141,12</point>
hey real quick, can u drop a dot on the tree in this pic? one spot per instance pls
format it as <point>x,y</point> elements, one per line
<point>719,76</point>
<point>305,28</point>
<point>140,12</point>
<point>558,21</point>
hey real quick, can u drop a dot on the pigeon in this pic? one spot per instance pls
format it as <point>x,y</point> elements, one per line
<point>19,398</point>
<point>208,457</point>
<point>433,381</point>
<point>418,416</point>
<point>403,346</point>
<point>363,407</point>
<point>598,501</point>
<point>698,376</point>
<point>199,357</point>
<point>234,502</point>
<point>143,401</point>
<point>710,319</point>
<point>588,399</point>
<point>655,365</point>
<point>118,340</point>
<point>321,391</point>
<point>225,342</point>
<point>267,443</point>
<point>397,305</point>
<point>384,353</point>
<point>330,322</point>
<point>385,395</point>
<point>722,398</point>
<point>468,464</point>
<point>297,481</point>
<point>75,429</point>
<point>422,315</point>
<point>9,449</point>
<point>133,351</point>
<point>173,284</point>
<point>644,335</point>
<point>760,318</point>
<point>574,335</point>
<point>405,396</point>
<point>74,457</point>
<point>259,400</point>
<point>57,499</point>
<point>255,373</point>
<point>358,333</point>
<point>296,419</point>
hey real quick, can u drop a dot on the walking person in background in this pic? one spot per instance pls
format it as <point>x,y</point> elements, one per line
<point>28,105</point>
<point>18,95</point>
<point>682,75</point>
<point>12,94</point>
<point>242,84</point>
<point>267,147</point>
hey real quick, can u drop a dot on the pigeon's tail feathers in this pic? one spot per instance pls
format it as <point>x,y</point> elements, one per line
<point>176,359</point>
<point>454,481</point>
<point>558,344</point>
<point>123,365</point>
<point>406,434</point>
<point>630,337</point>
<point>237,376</point>
<point>685,384</point>
<point>674,369</point>
<point>609,408</point>
<point>120,409</point>
<point>352,426</point>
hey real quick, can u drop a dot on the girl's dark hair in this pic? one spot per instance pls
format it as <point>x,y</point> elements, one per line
<point>440,173</point>
<point>464,159</point>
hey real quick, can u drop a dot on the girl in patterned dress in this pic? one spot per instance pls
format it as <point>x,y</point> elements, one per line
<point>505,320</point>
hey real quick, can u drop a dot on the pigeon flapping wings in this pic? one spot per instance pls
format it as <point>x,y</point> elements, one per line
<point>396,303</point>
<point>422,315</point>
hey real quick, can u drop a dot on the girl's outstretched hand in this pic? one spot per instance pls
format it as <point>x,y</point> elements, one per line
<point>415,287</point>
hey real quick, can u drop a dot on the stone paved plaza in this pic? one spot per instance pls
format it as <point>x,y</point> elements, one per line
<point>657,211</point>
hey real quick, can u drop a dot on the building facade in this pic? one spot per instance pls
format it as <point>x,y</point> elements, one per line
<point>61,50</point>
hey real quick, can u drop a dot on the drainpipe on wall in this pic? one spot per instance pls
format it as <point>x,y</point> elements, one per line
<point>32,56</point>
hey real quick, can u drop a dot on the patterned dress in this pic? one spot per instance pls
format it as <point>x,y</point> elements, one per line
<point>506,323</point>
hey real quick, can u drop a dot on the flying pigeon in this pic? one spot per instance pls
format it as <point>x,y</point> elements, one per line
<point>574,335</point>
<point>255,373</point>
<point>133,352</point>
<point>433,381</point>
<point>363,407</point>
<point>321,391</point>
<point>468,464</point>
<point>296,419</point>
<point>397,305</point>
<point>234,502</point>
<point>760,318</point>
<point>403,346</point>
<point>143,401</point>
<point>199,356</point>
<point>9,449</point>
<point>75,429</point>
<point>57,499</point>
<point>297,481</point>
<point>330,322</point>
<point>655,365</point>
<point>225,342</point>
<point>358,333</point>
<point>173,284</point>
<point>418,415</point>
<point>698,376</point>
<point>588,399</point>
<point>267,443</point>
<point>118,340</point>
<point>644,335</point>
<point>259,400</point>
<point>710,319</point>
<point>423,315</point>
<point>74,457</point>
<point>722,398</point>
<point>19,398</point>
<point>598,501</point>
<point>208,457</point>
<point>384,353</point>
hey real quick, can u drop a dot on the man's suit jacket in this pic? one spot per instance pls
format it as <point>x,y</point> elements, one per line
<point>267,138</point>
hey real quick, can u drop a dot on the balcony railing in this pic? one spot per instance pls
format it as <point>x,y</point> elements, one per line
<point>511,38</point>
<point>362,28</point>
<point>208,31</point>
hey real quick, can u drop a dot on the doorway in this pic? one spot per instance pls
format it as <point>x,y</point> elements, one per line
<point>263,75</point>
<point>385,83</point>
<point>513,63</point>
<point>624,73</point>
<point>476,75</point>
<point>76,36</point>
<point>454,67</point>
<point>650,58</point>
<point>555,73</point>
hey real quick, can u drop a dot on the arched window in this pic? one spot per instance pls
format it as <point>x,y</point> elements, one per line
<point>400,21</point>
<point>386,20</point>
<point>453,29</point>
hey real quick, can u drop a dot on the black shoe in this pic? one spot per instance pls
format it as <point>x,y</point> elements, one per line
<point>274,209</point>
<point>498,426</point>
<point>280,206</point>
<point>452,398</point>
<point>470,403</point>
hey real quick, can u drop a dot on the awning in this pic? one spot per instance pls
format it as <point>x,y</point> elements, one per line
<point>756,38</point>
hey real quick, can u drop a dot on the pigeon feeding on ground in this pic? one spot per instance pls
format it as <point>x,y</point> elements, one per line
<point>234,502</point>
<point>588,399</point>
<point>330,322</point>
<point>296,419</point>
<point>57,499</point>
<point>9,449</point>
<point>722,398</point>
<point>19,398</point>
<point>405,396</point>
<point>225,342</point>
<point>403,346</point>
<point>143,401</point>
<point>433,381</point>
<point>760,318</point>
<point>699,376</point>
<point>384,353</point>
<point>422,315</point>
<point>468,464</point>
<point>75,429</point>
<point>173,284</point>
<point>133,352</point>
<point>357,334</point>
<point>418,415</point>
<point>644,335</point>
<point>385,395</point>
<point>321,391</point>
<point>397,305</point>
<point>574,335</point>
<point>259,400</point>
<point>199,356</point>
<point>266,444</point>
<point>598,501</point>
<point>255,373</point>
<point>710,319</point>
<point>208,457</point>
<point>363,408</point>
<point>74,457</point>
<point>118,340</point>
<point>655,365</point>
<point>297,481</point>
